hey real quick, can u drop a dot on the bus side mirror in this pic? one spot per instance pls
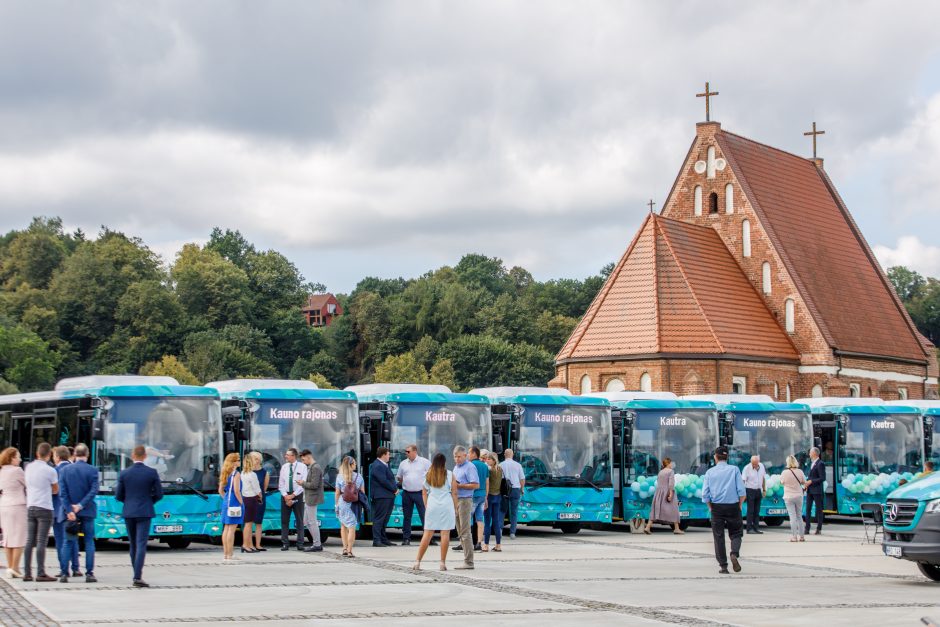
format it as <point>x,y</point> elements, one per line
<point>365,443</point>
<point>514,430</point>
<point>97,428</point>
<point>726,431</point>
<point>229,445</point>
<point>386,431</point>
<point>497,443</point>
<point>242,429</point>
<point>628,458</point>
<point>618,441</point>
<point>928,437</point>
<point>817,442</point>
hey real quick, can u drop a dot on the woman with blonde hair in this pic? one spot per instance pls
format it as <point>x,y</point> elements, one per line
<point>440,506</point>
<point>793,479</point>
<point>232,508</point>
<point>348,492</point>
<point>12,509</point>
<point>253,497</point>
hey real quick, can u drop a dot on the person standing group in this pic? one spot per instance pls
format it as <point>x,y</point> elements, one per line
<point>723,492</point>
<point>793,481</point>
<point>138,488</point>
<point>814,490</point>
<point>254,488</point>
<point>754,476</point>
<point>439,495</point>
<point>493,514</point>
<point>515,477</point>
<point>233,513</point>
<point>347,502</point>
<point>480,502</point>
<point>382,491</point>
<point>291,486</point>
<point>313,496</point>
<point>411,476</point>
<point>78,486</point>
<point>664,506</point>
<point>467,480</point>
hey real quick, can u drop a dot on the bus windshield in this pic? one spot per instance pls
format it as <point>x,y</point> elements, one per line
<point>330,429</point>
<point>181,437</point>
<point>437,429</point>
<point>564,445</point>
<point>883,443</point>
<point>686,436</point>
<point>773,436</point>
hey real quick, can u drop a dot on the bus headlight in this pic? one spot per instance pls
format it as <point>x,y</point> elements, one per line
<point>933,507</point>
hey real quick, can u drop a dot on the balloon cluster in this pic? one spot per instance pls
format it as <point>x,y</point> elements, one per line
<point>774,486</point>
<point>687,486</point>
<point>880,484</point>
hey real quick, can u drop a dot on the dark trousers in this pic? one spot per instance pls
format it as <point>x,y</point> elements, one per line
<point>38,521</point>
<point>753,508</point>
<point>66,551</point>
<point>297,509</point>
<point>493,519</point>
<point>138,533</point>
<point>727,516</point>
<point>811,498</point>
<point>88,532</point>
<point>410,501</point>
<point>515,495</point>
<point>381,512</point>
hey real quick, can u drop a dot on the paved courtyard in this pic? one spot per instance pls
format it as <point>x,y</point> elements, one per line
<point>609,577</point>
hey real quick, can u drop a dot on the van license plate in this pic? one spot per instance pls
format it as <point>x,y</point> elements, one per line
<point>168,529</point>
<point>569,516</point>
<point>893,551</point>
<point>776,512</point>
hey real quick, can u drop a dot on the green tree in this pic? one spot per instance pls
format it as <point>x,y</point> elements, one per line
<point>402,368</point>
<point>553,330</point>
<point>211,357</point>
<point>211,287</point>
<point>925,310</point>
<point>231,245</point>
<point>442,373</point>
<point>482,360</point>
<point>26,361</point>
<point>7,388</point>
<point>907,283</point>
<point>322,382</point>
<point>322,364</point>
<point>34,254</point>
<point>170,366</point>
<point>485,272</point>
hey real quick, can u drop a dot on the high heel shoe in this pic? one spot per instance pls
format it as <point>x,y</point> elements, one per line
<point>647,531</point>
<point>443,566</point>
<point>244,550</point>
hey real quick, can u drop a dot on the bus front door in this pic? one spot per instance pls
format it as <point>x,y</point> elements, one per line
<point>826,437</point>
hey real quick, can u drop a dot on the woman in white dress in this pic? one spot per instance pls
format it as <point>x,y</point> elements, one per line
<point>440,503</point>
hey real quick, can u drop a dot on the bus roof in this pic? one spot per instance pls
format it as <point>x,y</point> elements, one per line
<point>747,402</point>
<point>508,390</point>
<point>537,396</point>
<point>247,385</point>
<point>98,381</point>
<point>854,405</point>
<point>384,389</point>
<point>927,407</point>
<point>634,395</point>
<point>112,391</point>
<point>413,393</point>
<point>289,394</point>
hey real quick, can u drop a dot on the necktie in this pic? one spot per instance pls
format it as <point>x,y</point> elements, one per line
<point>290,481</point>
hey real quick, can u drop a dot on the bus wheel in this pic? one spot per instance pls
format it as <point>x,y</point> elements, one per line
<point>930,571</point>
<point>178,543</point>
<point>570,528</point>
<point>773,522</point>
<point>683,524</point>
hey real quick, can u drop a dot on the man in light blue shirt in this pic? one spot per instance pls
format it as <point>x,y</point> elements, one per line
<point>723,492</point>
<point>467,479</point>
<point>515,477</point>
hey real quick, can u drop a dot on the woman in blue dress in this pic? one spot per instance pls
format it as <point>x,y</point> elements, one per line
<point>440,503</point>
<point>345,514</point>
<point>230,491</point>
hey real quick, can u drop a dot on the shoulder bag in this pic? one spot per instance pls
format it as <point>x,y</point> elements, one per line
<point>797,479</point>
<point>350,492</point>
<point>234,511</point>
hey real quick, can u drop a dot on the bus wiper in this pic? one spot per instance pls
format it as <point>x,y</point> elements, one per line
<point>179,481</point>
<point>576,478</point>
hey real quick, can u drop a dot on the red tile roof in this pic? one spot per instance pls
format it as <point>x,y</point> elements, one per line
<point>824,251</point>
<point>319,301</point>
<point>677,289</point>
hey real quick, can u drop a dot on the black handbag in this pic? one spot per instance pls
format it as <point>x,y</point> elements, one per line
<point>73,527</point>
<point>504,487</point>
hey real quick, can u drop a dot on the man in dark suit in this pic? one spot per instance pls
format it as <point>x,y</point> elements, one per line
<point>66,548</point>
<point>78,486</point>
<point>382,491</point>
<point>138,487</point>
<point>814,490</point>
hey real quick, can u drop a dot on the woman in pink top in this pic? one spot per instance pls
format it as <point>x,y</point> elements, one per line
<point>12,509</point>
<point>793,479</point>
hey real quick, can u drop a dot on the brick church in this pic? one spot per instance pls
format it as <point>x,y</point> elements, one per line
<point>753,279</point>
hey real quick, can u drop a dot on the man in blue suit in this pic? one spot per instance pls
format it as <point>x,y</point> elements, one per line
<point>382,490</point>
<point>814,490</point>
<point>138,487</point>
<point>78,486</point>
<point>66,548</point>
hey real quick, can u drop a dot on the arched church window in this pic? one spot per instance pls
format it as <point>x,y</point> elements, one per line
<point>646,382</point>
<point>713,203</point>
<point>788,316</point>
<point>697,206</point>
<point>585,384</point>
<point>615,385</point>
<point>729,198</point>
<point>746,238</point>
<point>765,277</point>
<point>817,391</point>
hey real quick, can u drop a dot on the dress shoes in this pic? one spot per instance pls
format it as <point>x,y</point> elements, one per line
<point>63,579</point>
<point>90,578</point>
<point>406,542</point>
<point>45,579</point>
<point>389,544</point>
<point>140,583</point>
<point>313,549</point>
<point>724,571</point>
<point>735,564</point>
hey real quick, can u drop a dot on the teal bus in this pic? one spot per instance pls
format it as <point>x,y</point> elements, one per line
<point>868,447</point>
<point>180,426</point>
<point>269,416</point>
<point>758,425</point>
<point>563,443</point>
<point>649,427</point>
<point>432,417</point>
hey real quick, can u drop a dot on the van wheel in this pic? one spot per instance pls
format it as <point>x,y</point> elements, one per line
<point>930,571</point>
<point>684,524</point>
<point>570,528</point>
<point>178,543</point>
<point>773,522</point>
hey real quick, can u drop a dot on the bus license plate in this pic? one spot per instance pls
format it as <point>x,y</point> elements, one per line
<point>893,551</point>
<point>168,529</point>
<point>685,514</point>
<point>776,512</point>
<point>569,516</point>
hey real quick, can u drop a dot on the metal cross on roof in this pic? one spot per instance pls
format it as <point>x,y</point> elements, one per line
<point>814,133</point>
<point>707,96</point>
<point>651,203</point>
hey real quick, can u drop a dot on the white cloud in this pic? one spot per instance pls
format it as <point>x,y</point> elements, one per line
<point>911,253</point>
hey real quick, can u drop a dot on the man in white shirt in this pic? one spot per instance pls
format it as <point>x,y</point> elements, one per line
<point>515,477</point>
<point>42,481</point>
<point>755,487</point>
<point>290,484</point>
<point>410,476</point>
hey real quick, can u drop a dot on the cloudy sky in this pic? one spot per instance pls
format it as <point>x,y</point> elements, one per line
<point>388,138</point>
